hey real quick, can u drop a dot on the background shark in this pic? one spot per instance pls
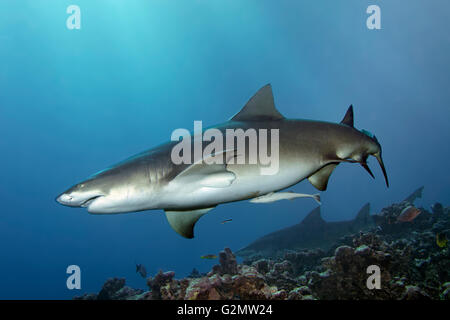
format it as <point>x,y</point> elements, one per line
<point>314,232</point>
<point>150,180</point>
<point>311,232</point>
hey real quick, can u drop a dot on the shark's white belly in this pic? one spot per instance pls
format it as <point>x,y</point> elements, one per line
<point>248,183</point>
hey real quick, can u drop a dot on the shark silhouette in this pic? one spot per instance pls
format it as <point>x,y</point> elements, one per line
<point>311,232</point>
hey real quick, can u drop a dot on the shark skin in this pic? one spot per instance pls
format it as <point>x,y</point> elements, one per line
<point>151,180</point>
<point>311,232</point>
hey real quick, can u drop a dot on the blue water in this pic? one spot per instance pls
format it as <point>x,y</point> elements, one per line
<point>73,102</point>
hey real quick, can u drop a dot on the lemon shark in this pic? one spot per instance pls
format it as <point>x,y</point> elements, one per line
<point>312,232</point>
<point>151,180</point>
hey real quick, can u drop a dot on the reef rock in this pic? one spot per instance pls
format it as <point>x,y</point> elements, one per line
<point>228,263</point>
<point>160,280</point>
<point>113,289</point>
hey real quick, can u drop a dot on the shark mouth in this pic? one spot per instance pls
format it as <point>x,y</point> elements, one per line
<point>89,201</point>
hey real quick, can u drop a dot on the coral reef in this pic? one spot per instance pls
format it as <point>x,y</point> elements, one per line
<point>196,274</point>
<point>412,266</point>
<point>113,289</point>
<point>228,264</point>
<point>160,280</point>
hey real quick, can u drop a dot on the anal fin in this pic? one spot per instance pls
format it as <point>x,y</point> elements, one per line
<point>183,221</point>
<point>320,178</point>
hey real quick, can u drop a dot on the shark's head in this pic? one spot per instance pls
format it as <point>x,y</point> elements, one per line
<point>362,145</point>
<point>81,195</point>
<point>116,190</point>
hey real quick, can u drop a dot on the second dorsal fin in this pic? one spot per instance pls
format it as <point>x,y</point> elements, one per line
<point>348,118</point>
<point>260,107</point>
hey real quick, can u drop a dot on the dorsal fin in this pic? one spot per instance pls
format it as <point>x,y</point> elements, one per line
<point>363,214</point>
<point>348,118</point>
<point>313,218</point>
<point>260,107</point>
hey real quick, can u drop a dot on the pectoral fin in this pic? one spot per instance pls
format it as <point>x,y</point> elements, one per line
<point>320,178</point>
<point>183,222</point>
<point>211,175</point>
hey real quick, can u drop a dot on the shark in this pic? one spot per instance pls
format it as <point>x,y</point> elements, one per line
<point>290,195</point>
<point>151,180</point>
<point>312,232</point>
<point>415,195</point>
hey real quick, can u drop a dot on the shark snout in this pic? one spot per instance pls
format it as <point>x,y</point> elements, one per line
<point>64,199</point>
<point>77,199</point>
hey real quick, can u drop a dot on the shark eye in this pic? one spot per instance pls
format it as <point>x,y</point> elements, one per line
<point>367,133</point>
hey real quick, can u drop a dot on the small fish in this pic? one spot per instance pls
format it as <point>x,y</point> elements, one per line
<point>225,221</point>
<point>408,214</point>
<point>441,240</point>
<point>141,270</point>
<point>209,256</point>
